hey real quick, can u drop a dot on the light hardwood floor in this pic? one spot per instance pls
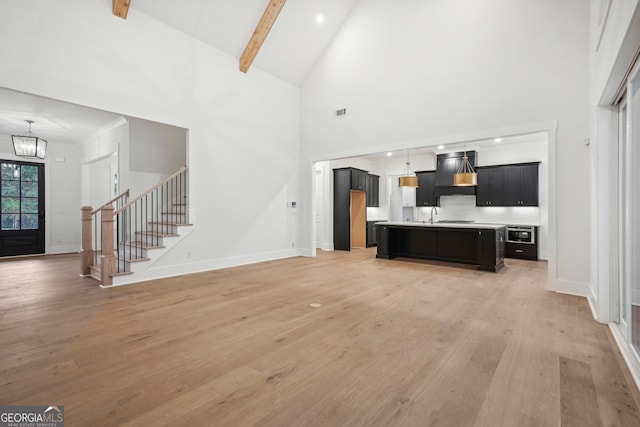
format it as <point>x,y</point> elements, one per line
<point>398,342</point>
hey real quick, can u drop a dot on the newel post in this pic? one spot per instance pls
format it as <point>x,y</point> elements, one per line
<point>86,251</point>
<point>108,259</point>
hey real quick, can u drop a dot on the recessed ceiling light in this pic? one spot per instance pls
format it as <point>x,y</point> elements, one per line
<point>389,154</point>
<point>497,140</point>
<point>319,18</point>
<point>440,147</point>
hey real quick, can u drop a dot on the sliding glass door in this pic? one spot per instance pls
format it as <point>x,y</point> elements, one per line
<point>629,212</point>
<point>633,203</point>
<point>624,270</point>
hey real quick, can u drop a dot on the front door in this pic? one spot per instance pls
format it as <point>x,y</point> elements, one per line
<point>21,208</point>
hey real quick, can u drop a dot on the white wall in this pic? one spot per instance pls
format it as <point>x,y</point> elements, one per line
<point>98,154</point>
<point>156,147</point>
<point>62,194</point>
<point>243,128</point>
<point>416,73</point>
<point>156,151</point>
<point>99,182</point>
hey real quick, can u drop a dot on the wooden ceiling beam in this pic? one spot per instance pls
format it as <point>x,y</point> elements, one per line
<point>260,34</point>
<point>120,8</point>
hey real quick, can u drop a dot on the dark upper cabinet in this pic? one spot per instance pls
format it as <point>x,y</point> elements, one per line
<point>358,179</point>
<point>521,185</point>
<point>448,164</point>
<point>373,191</point>
<point>426,191</point>
<point>508,185</point>
<point>490,191</point>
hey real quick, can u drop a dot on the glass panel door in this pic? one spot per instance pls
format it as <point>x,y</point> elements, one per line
<point>21,208</point>
<point>633,202</point>
<point>623,219</point>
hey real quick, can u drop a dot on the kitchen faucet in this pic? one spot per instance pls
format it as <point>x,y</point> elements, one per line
<point>433,209</point>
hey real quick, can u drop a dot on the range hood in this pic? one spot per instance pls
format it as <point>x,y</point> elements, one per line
<point>447,165</point>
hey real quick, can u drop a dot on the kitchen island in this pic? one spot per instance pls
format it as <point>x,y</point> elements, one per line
<point>468,243</point>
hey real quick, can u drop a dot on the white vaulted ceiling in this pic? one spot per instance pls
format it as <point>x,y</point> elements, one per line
<point>291,49</point>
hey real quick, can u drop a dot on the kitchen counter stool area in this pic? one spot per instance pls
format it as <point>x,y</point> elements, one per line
<point>476,244</point>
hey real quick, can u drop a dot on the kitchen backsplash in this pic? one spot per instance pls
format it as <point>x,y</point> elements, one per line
<point>464,208</point>
<point>377,214</point>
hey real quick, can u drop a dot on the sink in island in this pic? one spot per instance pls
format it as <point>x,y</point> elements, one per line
<point>467,243</point>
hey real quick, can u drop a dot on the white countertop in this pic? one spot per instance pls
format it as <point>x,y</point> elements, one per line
<point>522,224</point>
<point>443,224</point>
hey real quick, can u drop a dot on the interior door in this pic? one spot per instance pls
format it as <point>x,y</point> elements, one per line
<point>22,213</point>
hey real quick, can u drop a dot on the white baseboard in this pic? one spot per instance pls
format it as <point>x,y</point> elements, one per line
<point>629,354</point>
<point>570,287</point>
<point>306,252</point>
<point>592,305</point>
<point>62,249</point>
<point>325,246</point>
<point>201,266</point>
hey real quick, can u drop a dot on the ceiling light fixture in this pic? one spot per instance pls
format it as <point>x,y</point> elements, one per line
<point>465,176</point>
<point>389,154</point>
<point>409,178</point>
<point>29,145</point>
<point>497,140</point>
<point>319,18</point>
<point>440,147</point>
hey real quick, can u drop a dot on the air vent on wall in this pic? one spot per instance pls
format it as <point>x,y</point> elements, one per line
<point>341,112</point>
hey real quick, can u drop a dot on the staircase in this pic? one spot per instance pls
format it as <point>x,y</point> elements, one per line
<point>124,238</point>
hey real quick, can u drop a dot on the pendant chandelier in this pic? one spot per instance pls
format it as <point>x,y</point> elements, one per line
<point>409,178</point>
<point>29,145</point>
<point>465,176</point>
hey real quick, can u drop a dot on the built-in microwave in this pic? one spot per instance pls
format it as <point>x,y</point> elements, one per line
<point>521,234</point>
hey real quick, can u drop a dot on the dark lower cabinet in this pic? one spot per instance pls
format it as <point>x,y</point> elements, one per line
<point>459,245</point>
<point>522,250</point>
<point>482,247</point>
<point>382,237</point>
<point>371,234</point>
<point>492,247</point>
<point>422,244</point>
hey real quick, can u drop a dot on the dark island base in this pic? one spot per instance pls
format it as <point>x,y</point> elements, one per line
<point>493,269</point>
<point>481,247</point>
